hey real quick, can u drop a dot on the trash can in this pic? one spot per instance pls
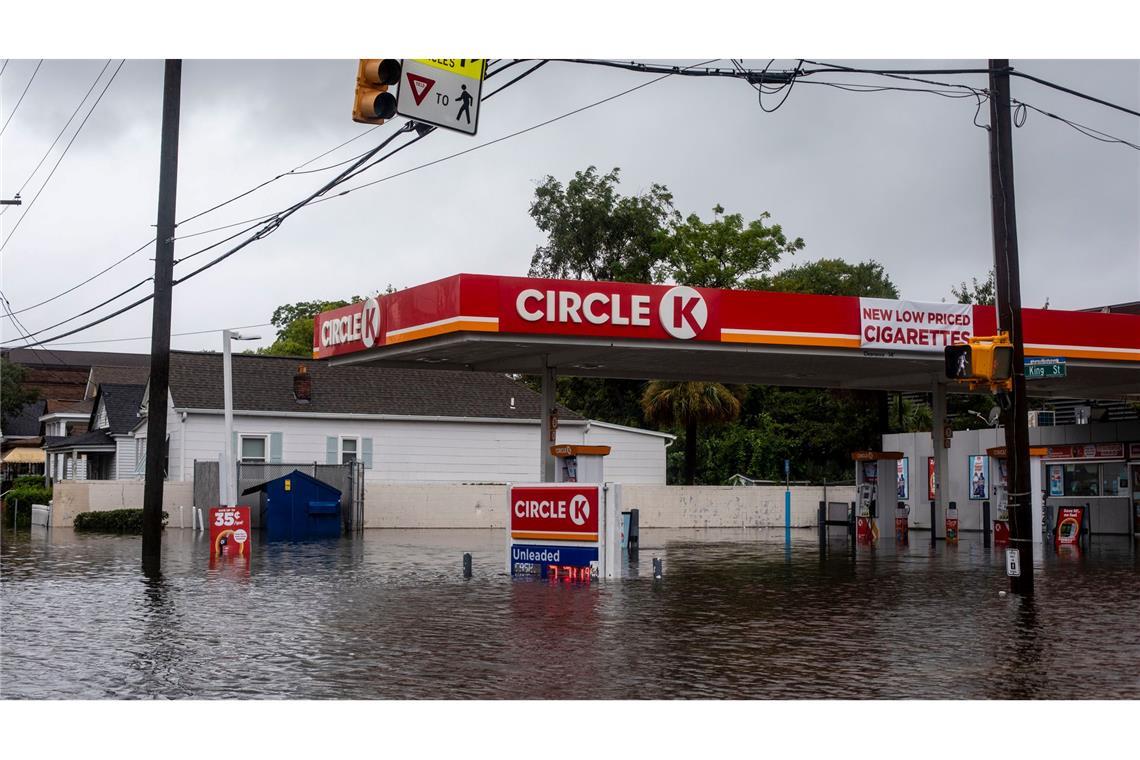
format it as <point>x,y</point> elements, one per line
<point>298,506</point>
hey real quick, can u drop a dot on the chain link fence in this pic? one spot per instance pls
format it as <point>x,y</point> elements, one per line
<point>347,478</point>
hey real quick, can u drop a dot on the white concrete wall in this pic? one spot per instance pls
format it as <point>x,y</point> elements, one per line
<point>461,506</point>
<point>406,451</point>
<point>69,498</point>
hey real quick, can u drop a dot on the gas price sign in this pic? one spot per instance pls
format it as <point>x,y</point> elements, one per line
<point>564,530</point>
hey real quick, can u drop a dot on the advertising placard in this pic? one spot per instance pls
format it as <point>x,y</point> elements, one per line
<point>566,531</point>
<point>1056,480</point>
<point>913,326</point>
<point>902,468</point>
<point>229,531</point>
<point>931,487</point>
<point>1069,521</point>
<point>978,477</point>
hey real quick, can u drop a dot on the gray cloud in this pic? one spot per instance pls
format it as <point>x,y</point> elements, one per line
<point>898,177</point>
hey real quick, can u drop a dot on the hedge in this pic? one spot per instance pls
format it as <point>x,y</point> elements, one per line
<point>112,521</point>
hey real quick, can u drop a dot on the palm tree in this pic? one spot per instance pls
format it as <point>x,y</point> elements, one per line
<point>690,404</point>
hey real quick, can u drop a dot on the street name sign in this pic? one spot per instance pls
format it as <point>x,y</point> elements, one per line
<point>444,92</point>
<point>1041,369</point>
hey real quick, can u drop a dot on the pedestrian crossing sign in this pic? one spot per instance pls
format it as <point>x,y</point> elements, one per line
<point>444,92</point>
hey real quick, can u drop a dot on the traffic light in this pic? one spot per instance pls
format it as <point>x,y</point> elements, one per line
<point>985,360</point>
<point>373,103</point>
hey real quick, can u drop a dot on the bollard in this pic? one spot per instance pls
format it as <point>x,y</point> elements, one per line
<point>822,525</point>
<point>633,540</point>
<point>466,564</point>
<point>933,523</point>
<point>657,570</point>
<point>986,524</point>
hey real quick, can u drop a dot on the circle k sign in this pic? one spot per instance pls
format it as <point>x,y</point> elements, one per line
<point>683,312</point>
<point>370,323</point>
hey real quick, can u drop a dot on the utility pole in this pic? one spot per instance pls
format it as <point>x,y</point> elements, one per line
<point>1008,291</point>
<point>160,322</point>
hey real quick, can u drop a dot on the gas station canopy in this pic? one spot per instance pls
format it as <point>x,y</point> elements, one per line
<point>661,332</point>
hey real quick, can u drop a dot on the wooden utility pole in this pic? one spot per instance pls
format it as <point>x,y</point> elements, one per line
<point>1008,292</point>
<point>160,322</point>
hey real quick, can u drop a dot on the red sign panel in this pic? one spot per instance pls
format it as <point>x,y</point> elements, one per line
<point>229,531</point>
<point>1087,451</point>
<point>555,512</point>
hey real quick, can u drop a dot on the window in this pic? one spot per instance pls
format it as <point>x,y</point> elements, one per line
<point>253,449</point>
<point>1114,479</point>
<point>349,450</point>
<point>1082,480</point>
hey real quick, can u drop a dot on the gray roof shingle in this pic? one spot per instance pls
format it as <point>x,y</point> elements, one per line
<point>122,403</point>
<point>265,383</point>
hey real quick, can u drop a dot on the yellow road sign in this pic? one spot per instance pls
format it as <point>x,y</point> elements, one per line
<point>468,67</point>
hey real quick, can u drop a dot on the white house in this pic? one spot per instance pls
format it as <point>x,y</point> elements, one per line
<point>406,425</point>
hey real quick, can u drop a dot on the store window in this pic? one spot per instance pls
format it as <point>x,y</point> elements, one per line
<point>1092,479</point>
<point>1082,480</point>
<point>253,448</point>
<point>349,450</point>
<point>1114,479</point>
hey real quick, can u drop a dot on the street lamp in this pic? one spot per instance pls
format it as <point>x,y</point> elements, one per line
<point>228,384</point>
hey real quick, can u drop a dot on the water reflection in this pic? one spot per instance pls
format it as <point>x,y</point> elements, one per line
<point>736,615</point>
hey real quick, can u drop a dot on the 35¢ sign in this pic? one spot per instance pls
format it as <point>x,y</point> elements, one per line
<point>442,91</point>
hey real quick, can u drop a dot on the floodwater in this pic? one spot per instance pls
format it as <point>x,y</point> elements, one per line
<point>389,615</point>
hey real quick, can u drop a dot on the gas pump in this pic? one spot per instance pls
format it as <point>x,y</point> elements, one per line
<point>865,513</point>
<point>870,525</point>
<point>902,524</point>
<point>1001,514</point>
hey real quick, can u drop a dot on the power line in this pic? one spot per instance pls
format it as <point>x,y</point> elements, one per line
<point>22,94</point>
<point>135,252</point>
<point>84,313</point>
<point>5,66</point>
<point>275,222</point>
<point>173,335</point>
<point>62,155</point>
<point>1038,80</point>
<point>501,139</point>
<point>47,153</point>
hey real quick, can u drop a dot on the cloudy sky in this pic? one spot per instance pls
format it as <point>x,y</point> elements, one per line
<point>898,177</point>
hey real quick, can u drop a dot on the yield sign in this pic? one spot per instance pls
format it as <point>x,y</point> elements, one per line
<point>420,86</point>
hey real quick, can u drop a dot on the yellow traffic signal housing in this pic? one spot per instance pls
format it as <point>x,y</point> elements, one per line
<point>373,103</point>
<point>982,361</point>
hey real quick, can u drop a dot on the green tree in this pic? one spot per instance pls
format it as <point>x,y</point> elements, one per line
<point>294,323</point>
<point>13,394</point>
<point>690,405</point>
<point>983,293</point>
<point>831,277</point>
<point>723,253</point>
<point>596,233</point>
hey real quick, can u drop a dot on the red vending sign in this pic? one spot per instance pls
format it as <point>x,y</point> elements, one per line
<point>555,512</point>
<point>1069,525</point>
<point>229,532</point>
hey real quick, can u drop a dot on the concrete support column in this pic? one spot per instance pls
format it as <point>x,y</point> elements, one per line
<point>547,430</point>
<point>941,460</point>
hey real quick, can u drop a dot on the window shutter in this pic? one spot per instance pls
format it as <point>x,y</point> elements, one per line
<point>330,450</point>
<point>366,454</point>
<point>275,448</point>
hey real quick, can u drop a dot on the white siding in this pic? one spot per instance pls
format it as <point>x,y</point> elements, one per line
<point>124,458</point>
<point>429,452</point>
<point>101,421</point>
<point>634,457</point>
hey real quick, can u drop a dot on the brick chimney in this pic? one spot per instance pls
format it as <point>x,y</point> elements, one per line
<point>302,385</point>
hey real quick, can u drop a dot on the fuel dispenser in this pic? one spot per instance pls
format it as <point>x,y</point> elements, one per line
<point>580,464</point>
<point>873,515</point>
<point>1001,494</point>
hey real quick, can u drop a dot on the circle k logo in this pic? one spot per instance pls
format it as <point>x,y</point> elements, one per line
<point>683,312</point>
<point>579,510</point>
<point>370,323</point>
